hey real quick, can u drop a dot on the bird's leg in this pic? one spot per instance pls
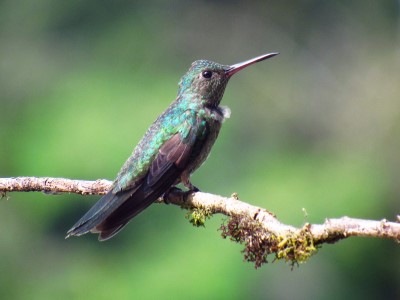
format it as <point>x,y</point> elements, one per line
<point>185,179</point>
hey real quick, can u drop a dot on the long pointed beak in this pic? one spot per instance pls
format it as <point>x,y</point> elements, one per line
<point>237,67</point>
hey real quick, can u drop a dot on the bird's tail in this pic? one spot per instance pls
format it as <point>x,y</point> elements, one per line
<point>124,213</point>
<point>98,213</point>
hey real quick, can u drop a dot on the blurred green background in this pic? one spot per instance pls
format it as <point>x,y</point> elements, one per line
<point>316,127</point>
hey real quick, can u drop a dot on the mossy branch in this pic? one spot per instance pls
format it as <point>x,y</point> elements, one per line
<point>259,230</point>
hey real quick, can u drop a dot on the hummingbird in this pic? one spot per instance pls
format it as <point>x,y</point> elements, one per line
<point>173,147</point>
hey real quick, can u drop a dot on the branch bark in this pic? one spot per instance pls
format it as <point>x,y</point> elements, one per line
<point>259,230</point>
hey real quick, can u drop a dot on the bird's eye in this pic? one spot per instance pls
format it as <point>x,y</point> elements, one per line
<point>206,74</point>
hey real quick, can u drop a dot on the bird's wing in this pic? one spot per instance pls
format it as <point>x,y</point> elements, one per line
<point>115,209</point>
<point>173,154</point>
<point>165,170</point>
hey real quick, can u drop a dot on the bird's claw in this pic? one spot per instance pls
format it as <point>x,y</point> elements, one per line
<point>194,189</point>
<point>170,191</point>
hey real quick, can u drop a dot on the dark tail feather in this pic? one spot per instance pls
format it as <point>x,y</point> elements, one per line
<point>108,234</point>
<point>143,197</point>
<point>113,211</point>
<point>98,213</point>
<point>123,214</point>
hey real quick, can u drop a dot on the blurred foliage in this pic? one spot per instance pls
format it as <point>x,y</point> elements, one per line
<point>316,127</point>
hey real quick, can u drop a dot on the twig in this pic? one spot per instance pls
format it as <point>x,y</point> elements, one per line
<point>256,228</point>
<point>54,185</point>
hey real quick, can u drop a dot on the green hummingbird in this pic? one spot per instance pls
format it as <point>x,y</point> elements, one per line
<point>174,146</point>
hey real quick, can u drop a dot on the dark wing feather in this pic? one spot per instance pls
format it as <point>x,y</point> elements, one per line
<point>163,173</point>
<point>173,153</point>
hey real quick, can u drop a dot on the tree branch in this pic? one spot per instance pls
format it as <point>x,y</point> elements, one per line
<point>259,230</point>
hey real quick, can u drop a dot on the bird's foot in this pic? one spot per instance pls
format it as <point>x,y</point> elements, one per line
<point>191,190</point>
<point>167,194</point>
<point>194,189</point>
<point>185,179</point>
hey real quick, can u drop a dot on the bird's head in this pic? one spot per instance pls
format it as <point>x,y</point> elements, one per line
<point>206,80</point>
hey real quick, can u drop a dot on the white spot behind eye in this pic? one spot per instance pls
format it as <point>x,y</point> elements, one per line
<point>226,111</point>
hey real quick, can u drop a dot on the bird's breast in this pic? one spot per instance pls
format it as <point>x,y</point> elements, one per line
<point>213,118</point>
